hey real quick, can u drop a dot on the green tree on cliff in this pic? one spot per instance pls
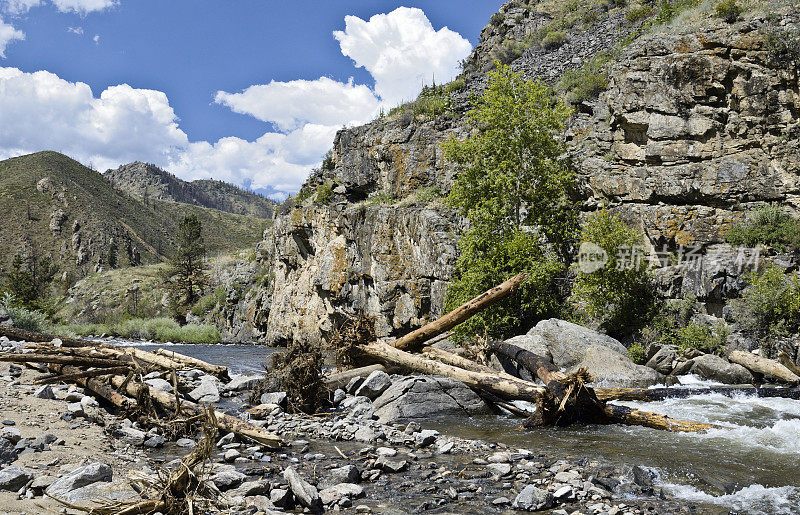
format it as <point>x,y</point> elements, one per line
<point>187,268</point>
<point>513,185</point>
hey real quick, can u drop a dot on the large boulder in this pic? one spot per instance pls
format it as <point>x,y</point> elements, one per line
<point>374,385</point>
<point>567,342</point>
<point>78,478</point>
<point>206,392</point>
<point>715,368</point>
<point>427,397</point>
<point>664,360</point>
<point>12,478</point>
<point>610,368</point>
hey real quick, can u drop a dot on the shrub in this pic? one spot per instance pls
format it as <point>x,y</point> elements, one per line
<point>324,193</point>
<point>508,50</point>
<point>455,85</point>
<point>24,318</point>
<point>619,295</point>
<point>327,162</point>
<point>638,13</point>
<point>767,225</point>
<point>728,10</point>
<point>587,82</point>
<point>209,302</point>
<point>554,39</point>
<point>159,329</point>
<point>701,337</point>
<point>771,304</point>
<point>429,194</point>
<point>638,353</point>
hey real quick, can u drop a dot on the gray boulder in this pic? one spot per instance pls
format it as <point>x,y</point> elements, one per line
<point>78,478</point>
<point>341,491</point>
<point>277,398</point>
<point>206,392</point>
<point>532,498</point>
<point>227,478</point>
<point>610,368</point>
<point>240,383</point>
<point>427,397</point>
<point>44,392</point>
<point>374,385</point>
<point>568,342</point>
<point>162,385</point>
<point>8,452</point>
<point>663,360</point>
<point>12,478</point>
<point>305,493</point>
<point>101,491</point>
<point>715,368</point>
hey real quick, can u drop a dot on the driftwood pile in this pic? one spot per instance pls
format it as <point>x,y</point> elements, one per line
<point>116,374</point>
<point>561,399</point>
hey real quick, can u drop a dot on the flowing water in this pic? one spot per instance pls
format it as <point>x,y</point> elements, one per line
<point>752,466</point>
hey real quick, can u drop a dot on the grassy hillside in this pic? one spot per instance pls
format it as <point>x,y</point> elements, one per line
<point>149,182</point>
<point>55,207</point>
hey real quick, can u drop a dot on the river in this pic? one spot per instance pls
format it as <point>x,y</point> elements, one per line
<point>749,467</point>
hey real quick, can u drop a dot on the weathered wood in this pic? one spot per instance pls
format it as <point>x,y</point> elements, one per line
<point>217,370</point>
<point>146,357</point>
<point>224,421</point>
<point>12,333</point>
<point>451,358</point>
<point>764,366</point>
<point>341,379</point>
<point>413,340</point>
<point>62,360</point>
<point>67,378</point>
<point>545,370</point>
<point>633,417</point>
<point>95,385</point>
<point>657,394</point>
<point>787,362</point>
<point>504,387</point>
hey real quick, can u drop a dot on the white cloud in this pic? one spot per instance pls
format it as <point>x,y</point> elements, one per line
<point>292,104</point>
<point>42,111</point>
<point>76,30</point>
<point>83,7</point>
<point>8,34</point>
<point>96,39</point>
<point>402,50</point>
<point>16,7</point>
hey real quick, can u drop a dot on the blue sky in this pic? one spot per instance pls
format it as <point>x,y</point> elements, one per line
<point>188,65</point>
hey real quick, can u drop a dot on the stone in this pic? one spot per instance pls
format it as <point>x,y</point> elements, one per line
<point>250,488</point>
<point>338,396</point>
<point>206,393</point>
<point>365,434</point>
<point>231,455</point>
<point>185,443</point>
<point>662,361</point>
<point>239,383</point>
<point>131,436</point>
<point>565,492</point>
<point>389,465</point>
<point>426,437</point>
<point>427,397</point>
<point>44,392</point>
<point>532,498</point>
<point>305,493</point>
<point>499,469</point>
<point>609,368</point>
<point>155,442</point>
<point>341,491</point>
<point>281,497</point>
<point>41,482</point>
<point>715,368</point>
<point>566,476</point>
<point>386,451</point>
<point>278,398</point>
<point>374,385</point>
<point>343,474</point>
<point>567,343</point>
<point>8,452</point>
<point>162,385</point>
<point>101,491</point>
<point>12,478</point>
<point>227,478</point>
<point>78,478</point>
<point>11,434</point>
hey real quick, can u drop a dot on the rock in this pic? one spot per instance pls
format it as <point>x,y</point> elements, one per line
<point>240,383</point>
<point>44,392</point>
<point>101,491</point>
<point>7,451</point>
<point>11,434</point>
<point>354,384</point>
<point>206,393</point>
<point>281,497</point>
<point>227,478</point>
<point>12,478</point>
<point>41,442</point>
<point>566,476</point>
<point>568,342</point>
<point>344,474</point>
<point>250,488</point>
<point>365,434</point>
<point>231,455</point>
<point>532,498</point>
<point>359,407</point>
<point>565,492</point>
<point>79,478</point>
<point>374,385</point>
<point>341,491</point>
<point>389,465</point>
<point>42,482</point>
<point>162,385</point>
<point>427,397</point>
<point>185,443</point>
<point>609,368</point>
<point>426,437</point>
<point>131,436</point>
<point>662,361</point>
<point>305,493</point>
<point>154,442</point>
<point>499,469</point>
<point>278,398</point>
<point>338,396</point>
<point>715,368</point>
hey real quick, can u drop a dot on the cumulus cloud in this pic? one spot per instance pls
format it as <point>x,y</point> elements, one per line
<point>18,6</point>
<point>402,51</point>
<point>8,34</point>
<point>83,7</point>
<point>292,104</point>
<point>42,111</point>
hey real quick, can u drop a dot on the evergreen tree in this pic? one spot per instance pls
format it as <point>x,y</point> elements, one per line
<point>513,186</point>
<point>187,268</point>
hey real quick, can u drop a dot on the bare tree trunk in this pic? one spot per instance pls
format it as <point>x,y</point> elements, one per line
<point>767,367</point>
<point>624,415</point>
<point>63,360</point>
<point>340,379</point>
<point>217,370</point>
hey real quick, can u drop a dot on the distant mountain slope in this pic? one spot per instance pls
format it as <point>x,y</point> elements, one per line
<point>147,181</point>
<point>55,207</point>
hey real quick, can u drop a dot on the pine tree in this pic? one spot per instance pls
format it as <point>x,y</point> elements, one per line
<point>187,267</point>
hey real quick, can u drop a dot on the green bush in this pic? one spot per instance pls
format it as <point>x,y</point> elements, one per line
<point>638,353</point>
<point>24,318</point>
<point>771,303</point>
<point>429,194</point>
<point>554,39</point>
<point>619,295</point>
<point>324,193</point>
<point>767,225</point>
<point>327,162</point>
<point>159,329</point>
<point>638,13</point>
<point>701,337</point>
<point>209,302</point>
<point>729,10</point>
<point>587,82</point>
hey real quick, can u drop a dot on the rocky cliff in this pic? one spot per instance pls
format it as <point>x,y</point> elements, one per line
<point>697,123</point>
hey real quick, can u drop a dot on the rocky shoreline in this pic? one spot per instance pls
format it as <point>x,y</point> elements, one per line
<point>57,441</point>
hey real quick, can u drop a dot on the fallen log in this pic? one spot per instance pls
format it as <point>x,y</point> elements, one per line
<point>341,379</point>
<point>19,335</point>
<point>658,394</point>
<point>787,362</point>
<point>217,370</point>
<point>100,388</point>
<point>146,357</point>
<point>63,360</point>
<point>224,421</point>
<point>413,340</point>
<point>59,378</point>
<point>630,416</point>
<point>451,358</point>
<point>764,366</point>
